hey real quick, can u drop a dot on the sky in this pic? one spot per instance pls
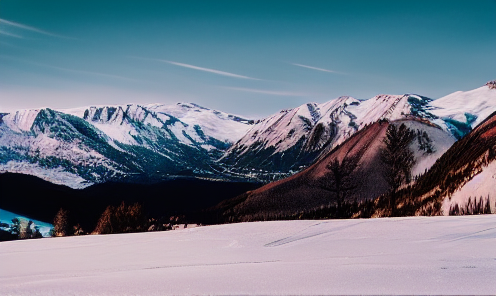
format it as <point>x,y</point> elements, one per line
<point>251,58</point>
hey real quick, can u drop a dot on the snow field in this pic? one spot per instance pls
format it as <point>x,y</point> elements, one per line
<point>416,255</point>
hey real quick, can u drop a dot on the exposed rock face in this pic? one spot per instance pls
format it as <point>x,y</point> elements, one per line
<point>491,84</point>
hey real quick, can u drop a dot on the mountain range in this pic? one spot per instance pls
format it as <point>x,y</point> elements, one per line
<point>150,143</point>
<point>449,176</point>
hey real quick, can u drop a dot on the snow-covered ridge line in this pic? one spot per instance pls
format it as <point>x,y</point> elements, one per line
<point>470,107</point>
<point>186,137</point>
<point>108,142</point>
<point>288,136</point>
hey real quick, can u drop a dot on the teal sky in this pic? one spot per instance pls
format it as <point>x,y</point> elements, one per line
<point>251,58</point>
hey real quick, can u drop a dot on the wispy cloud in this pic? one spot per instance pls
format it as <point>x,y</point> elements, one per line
<point>29,28</point>
<point>10,34</point>
<point>314,68</point>
<point>199,68</point>
<point>269,92</point>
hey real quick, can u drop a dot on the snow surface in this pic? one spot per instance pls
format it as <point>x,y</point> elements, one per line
<point>482,185</point>
<point>415,255</point>
<point>480,102</point>
<point>21,120</point>
<point>215,124</point>
<point>441,142</point>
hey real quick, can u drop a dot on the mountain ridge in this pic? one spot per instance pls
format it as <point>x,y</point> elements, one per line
<point>95,144</point>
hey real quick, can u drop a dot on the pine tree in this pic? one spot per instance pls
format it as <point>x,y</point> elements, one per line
<point>398,159</point>
<point>121,219</point>
<point>338,179</point>
<point>60,223</point>
<point>104,225</point>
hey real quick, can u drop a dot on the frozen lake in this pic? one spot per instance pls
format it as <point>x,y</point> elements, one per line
<point>417,255</point>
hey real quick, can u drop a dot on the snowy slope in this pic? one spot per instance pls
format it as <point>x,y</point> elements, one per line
<point>479,102</point>
<point>435,145</point>
<point>54,149</point>
<point>466,169</point>
<point>216,124</point>
<point>417,255</point>
<point>482,185</point>
<point>183,117</point>
<point>20,120</point>
<point>296,137</point>
<point>81,146</point>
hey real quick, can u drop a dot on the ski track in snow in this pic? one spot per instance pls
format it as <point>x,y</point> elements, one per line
<point>414,255</point>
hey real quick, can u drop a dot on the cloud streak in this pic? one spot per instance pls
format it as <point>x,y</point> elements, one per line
<point>314,68</point>
<point>208,70</point>
<point>10,34</point>
<point>223,73</point>
<point>268,92</point>
<point>29,28</point>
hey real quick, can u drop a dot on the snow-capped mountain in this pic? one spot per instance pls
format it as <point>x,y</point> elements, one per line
<point>81,146</point>
<point>461,111</point>
<point>305,190</point>
<point>78,147</point>
<point>294,138</point>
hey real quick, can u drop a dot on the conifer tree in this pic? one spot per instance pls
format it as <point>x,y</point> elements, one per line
<point>60,223</point>
<point>338,179</point>
<point>398,159</point>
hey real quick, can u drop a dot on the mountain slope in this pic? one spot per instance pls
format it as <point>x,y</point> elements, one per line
<point>148,143</point>
<point>307,189</point>
<point>467,169</point>
<point>461,111</point>
<point>79,147</point>
<point>293,139</point>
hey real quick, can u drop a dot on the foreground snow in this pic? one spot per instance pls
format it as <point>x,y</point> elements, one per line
<point>419,255</point>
